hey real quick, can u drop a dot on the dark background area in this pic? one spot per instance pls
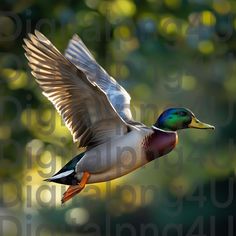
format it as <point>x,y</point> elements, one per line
<point>165,53</point>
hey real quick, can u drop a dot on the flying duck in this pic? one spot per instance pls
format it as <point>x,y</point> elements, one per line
<point>96,110</point>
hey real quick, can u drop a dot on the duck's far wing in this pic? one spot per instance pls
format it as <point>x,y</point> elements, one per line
<point>79,55</point>
<point>84,107</point>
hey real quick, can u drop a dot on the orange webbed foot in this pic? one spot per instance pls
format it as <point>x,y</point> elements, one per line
<point>75,189</point>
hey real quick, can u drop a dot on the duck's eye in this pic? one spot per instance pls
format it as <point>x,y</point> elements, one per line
<point>182,113</point>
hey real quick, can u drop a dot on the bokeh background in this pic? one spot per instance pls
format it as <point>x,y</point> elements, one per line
<point>165,53</point>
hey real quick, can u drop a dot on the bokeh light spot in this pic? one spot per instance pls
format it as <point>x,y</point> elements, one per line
<point>230,86</point>
<point>206,47</point>
<point>208,18</point>
<point>7,28</point>
<point>188,82</point>
<point>122,32</point>
<point>92,3</point>
<point>221,6</point>
<point>34,147</point>
<point>5,132</point>
<point>16,79</point>
<point>179,186</point>
<point>173,4</point>
<point>77,216</point>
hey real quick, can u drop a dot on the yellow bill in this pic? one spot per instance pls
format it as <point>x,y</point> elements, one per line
<point>195,123</point>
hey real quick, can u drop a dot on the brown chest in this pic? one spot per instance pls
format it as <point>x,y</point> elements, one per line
<point>159,143</point>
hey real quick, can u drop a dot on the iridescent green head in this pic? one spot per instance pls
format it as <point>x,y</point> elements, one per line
<point>179,118</point>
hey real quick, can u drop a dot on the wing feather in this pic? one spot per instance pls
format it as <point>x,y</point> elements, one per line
<point>82,103</point>
<point>79,55</point>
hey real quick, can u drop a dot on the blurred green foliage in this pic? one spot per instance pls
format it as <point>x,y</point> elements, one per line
<point>165,53</point>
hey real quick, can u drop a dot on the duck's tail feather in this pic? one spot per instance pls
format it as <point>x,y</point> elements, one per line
<point>67,174</point>
<point>59,176</point>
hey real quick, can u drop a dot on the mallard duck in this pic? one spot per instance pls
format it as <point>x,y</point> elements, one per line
<point>96,110</point>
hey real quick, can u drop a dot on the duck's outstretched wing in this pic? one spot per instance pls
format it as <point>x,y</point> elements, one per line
<point>79,55</point>
<point>84,106</point>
